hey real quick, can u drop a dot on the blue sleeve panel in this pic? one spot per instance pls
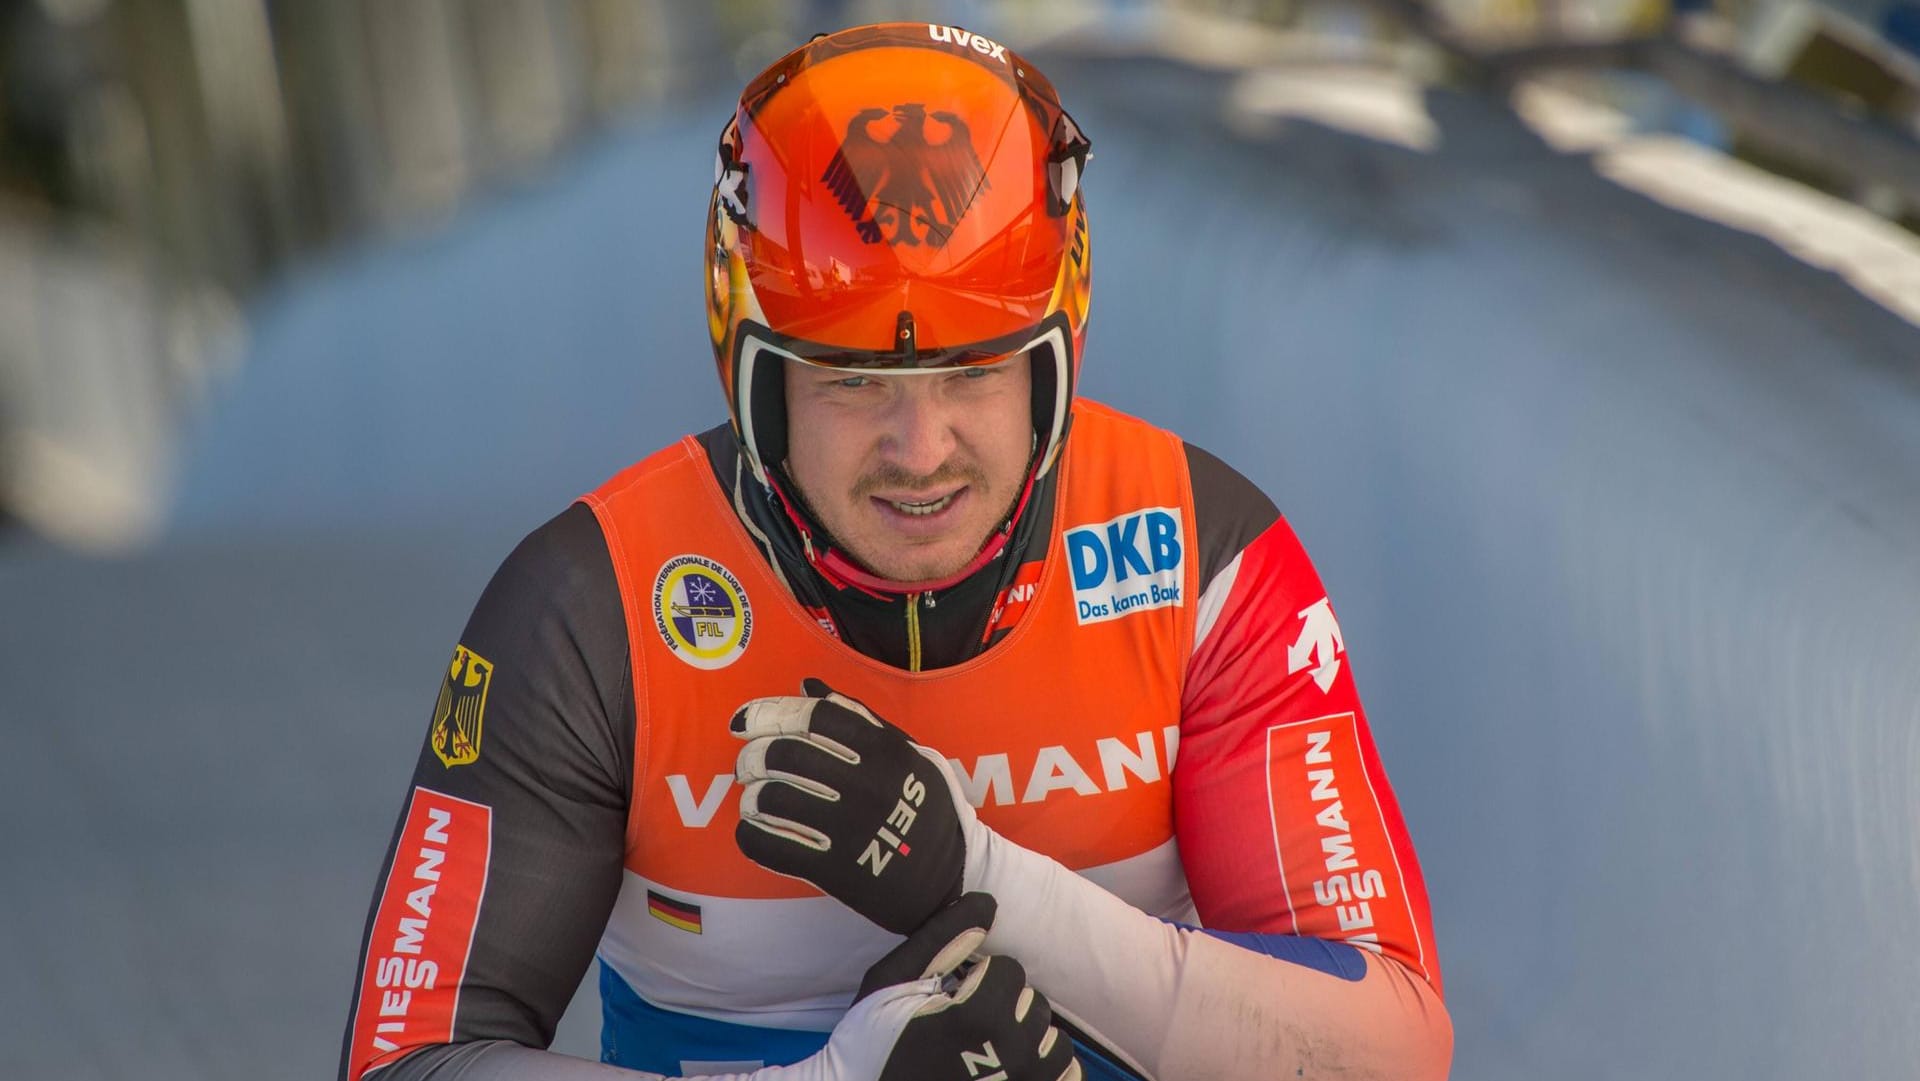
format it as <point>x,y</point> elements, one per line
<point>1096,1066</point>
<point>638,1035</point>
<point>1332,958</point>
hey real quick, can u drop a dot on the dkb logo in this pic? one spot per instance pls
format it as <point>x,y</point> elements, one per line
<point>1130,564</point>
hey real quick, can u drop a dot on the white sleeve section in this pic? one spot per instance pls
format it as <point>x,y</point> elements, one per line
<point>1174,1003</point>
<point>1213,599</point>
<point>1155,882</point>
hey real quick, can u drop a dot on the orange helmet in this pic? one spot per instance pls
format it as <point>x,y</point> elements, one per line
<point>897,197</point>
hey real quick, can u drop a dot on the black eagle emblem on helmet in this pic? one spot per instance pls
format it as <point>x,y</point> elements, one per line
<point>905,190</point>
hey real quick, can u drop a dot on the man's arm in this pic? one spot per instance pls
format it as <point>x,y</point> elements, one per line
<point>1318,958</point>
<point>1289,830</point>
<point>508,855</point>
<point>1271,717</point>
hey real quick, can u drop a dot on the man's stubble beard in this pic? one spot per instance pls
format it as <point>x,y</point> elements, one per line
<point>890,476</point>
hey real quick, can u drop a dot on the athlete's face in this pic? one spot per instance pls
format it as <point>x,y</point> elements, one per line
<point>910,473</point>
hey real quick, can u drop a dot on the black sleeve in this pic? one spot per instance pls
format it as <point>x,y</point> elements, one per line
<point>1229,511</point>
<point>533,730</point>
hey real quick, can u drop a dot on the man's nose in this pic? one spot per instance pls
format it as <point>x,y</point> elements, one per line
<point>920,438</point>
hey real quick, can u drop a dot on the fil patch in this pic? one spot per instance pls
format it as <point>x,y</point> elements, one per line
<point>701,611</point>
<point>461,709</point>
<point>1132,563</point>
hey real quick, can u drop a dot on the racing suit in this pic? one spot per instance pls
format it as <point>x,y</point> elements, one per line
<point>1149,688</point>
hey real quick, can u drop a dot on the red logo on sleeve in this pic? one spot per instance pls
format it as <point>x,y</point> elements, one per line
<point>423,931</point>
<point>1341,872</point>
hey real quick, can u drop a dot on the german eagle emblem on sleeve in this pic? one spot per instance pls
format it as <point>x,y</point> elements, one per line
<point>462,705</point>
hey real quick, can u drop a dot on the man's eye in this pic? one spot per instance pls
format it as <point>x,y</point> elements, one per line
<point>852,382</point>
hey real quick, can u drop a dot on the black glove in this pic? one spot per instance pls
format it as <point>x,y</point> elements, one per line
<point>835,796</point>
<point>987,1025</point>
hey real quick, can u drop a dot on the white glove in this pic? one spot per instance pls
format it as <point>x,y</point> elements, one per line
<point>916,1019</point>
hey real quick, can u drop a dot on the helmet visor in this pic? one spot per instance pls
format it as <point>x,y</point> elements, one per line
<point>906,358</point>
<point>762,413</point>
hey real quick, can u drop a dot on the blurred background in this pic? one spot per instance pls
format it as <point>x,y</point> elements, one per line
<point>1579,340</point>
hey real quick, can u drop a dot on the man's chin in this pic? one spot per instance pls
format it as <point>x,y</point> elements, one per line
<point>911,573</point>
<point>909,564</point>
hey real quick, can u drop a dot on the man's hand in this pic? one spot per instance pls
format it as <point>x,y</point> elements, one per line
<point>917,1018</point>
<point>838,797</point>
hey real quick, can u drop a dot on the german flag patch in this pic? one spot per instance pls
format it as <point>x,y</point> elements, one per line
<point>678,913</point>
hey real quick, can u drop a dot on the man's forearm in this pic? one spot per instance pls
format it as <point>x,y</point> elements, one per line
<point>915,1017</point>
<point>500,1060</point>
<point>504,1060</point>
<point>1178,1003</point>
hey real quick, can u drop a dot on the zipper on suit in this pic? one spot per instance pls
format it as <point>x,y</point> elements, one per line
<point>913,632</point>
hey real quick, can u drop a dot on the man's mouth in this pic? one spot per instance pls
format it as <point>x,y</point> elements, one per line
<point>923,507</point>
<point>905,504</point>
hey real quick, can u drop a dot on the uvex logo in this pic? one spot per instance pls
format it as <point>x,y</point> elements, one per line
<point>992,50</point>
<point>1108,764</point>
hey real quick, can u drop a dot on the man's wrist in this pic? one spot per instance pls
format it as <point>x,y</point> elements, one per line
<point>1074,938</point>
<point>1020,880</point>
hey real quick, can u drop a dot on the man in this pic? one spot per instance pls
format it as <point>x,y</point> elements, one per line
<point>889,642</point>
